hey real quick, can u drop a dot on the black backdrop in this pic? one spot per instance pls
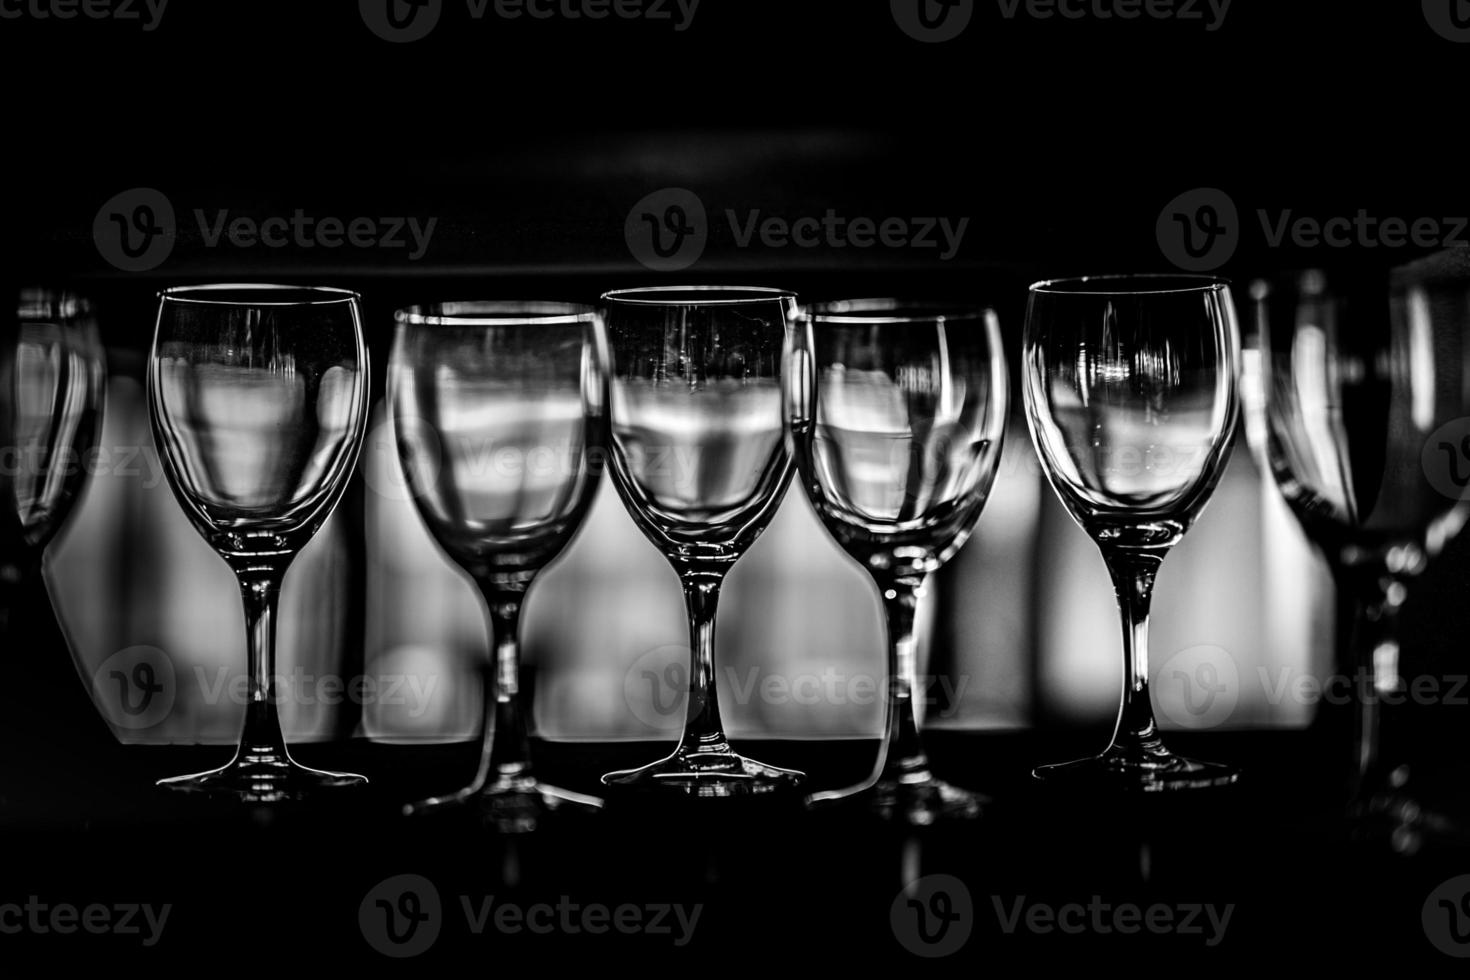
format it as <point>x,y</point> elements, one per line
<point>1062,142</point>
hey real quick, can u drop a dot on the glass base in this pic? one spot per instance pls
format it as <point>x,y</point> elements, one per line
<point>924,801</point>
<point>1404,814</point>
<point>513,804</point>
<point>1156,771</point>
<point>907,792</point>
<point>263,776</point>
<point>707,774</point>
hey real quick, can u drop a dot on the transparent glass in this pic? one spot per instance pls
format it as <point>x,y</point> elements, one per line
<point>1131,396</point>
<point>498,416</point>
<point>52,387</point>
<point>258,396</point>
<point>897,414</point>
<point>699,457</point>
<point>1366,377</point>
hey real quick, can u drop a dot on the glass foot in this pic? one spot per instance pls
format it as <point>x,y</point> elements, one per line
<point>515,804</point>
<point>1155,771</point>
<point>262,777</point>
<point>924,801</point>
<point>907,792</point>
<point>705,773</point>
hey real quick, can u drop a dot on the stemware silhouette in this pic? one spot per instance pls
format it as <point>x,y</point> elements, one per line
<point>1131,396</point>
<point>699,457</point>
<point>897,414</point>
<point>52,387</point>
<point>498,415</point>
<point>258,396</point>
<point>1366,377</point>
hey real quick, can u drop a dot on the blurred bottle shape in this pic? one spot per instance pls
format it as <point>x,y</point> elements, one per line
<point>153,617</point>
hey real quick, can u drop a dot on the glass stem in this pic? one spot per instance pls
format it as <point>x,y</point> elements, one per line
<point>1373,665</point>
<point>903,750</point>
<point>505,748</point>
<point>1133,571</point>
<point>262,737</point>
<point>703,731</point>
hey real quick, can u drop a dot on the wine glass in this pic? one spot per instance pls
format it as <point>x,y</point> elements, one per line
<point>1131,397</point>
<point>699,457</point>
<point>52,386</point>
<point>498,415</point>
<point>897,414</point>
<point>1367,391</point>
<point>258,400</point>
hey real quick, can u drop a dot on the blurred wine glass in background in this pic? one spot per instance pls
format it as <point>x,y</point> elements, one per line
<point>498,417</point>
<point>1366,376</point>
<point>52,376</point>
<point>897,413</point>
<point>258,400</point>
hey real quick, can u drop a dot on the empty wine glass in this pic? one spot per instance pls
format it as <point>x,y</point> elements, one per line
<point>498,415</point>
<point>1130,392</point>
<point>52,378</point>
<point>897,415</point>
<point>1367,388</point>
<point>699,457</point>
<point>258,399</point>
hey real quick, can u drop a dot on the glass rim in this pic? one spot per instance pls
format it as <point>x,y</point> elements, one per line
<point>892,310</point>
<point>495,313</point>
<point>696,295</point>
<point>39,303</point>
<point>252,294</point>
<point>1157,284</point>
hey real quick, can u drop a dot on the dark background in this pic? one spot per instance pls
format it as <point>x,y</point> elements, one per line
<point>1061,141</point>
